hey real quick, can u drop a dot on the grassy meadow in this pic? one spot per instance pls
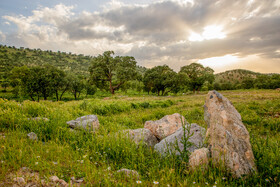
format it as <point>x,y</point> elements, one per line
<point>96,157</point>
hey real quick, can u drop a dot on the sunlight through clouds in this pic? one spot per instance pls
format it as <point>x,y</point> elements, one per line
<point>209,33</point>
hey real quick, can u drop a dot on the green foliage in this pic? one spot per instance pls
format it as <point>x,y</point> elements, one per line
<point>67,154</point>
<point>38,81</point>
<point>197,75</point>
<point>162,79</point>
<point>110,73</point>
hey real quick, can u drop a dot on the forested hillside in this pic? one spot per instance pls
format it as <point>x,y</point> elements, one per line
<point>11,57</point>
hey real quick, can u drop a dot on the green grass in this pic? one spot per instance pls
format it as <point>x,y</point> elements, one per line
<point>97,156</point>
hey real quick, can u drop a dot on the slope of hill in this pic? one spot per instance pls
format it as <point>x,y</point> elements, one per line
<point>11,57</point>
<point>235,76</point>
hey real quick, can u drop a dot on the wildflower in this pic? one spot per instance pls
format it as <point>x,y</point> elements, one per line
<point>194,182</point>
<point>2,161</point>
<point>95,163</point>
<point>267,180</point>
<point>156,182</point>
<point>215,182</point>
<point>90,158</point>
<point>38,156</point>
<point>84,156</point>
<point>214,186</point>
<point>54,163</point>
<point>109,168</point>
<point>36,163</point>
<point>206,183</point>
<point>224,178</point>
<point>138,182</point>
<point>82,161</point>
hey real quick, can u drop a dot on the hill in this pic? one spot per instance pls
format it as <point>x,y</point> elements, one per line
<point>235,76</point>
<point>11,57</point>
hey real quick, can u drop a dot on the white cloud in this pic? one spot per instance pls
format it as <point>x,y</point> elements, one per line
<point>156,33</point>
<point>2,37</point>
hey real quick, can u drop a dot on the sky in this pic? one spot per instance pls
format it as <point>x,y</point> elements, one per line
<point>221,34</point>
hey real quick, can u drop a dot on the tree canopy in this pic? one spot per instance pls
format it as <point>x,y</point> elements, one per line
<point>197,75</point>
<point>110,73</point>
<point>161,79</point>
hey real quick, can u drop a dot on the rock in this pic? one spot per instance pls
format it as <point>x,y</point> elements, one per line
<point>199,159</point>
<point>228,138</point>
<point>89,122</point>
<point>62,183</point>
<point>77,180</point>
<point>38,119</point>
<point>32,136</point>
<point>54,179</point>
<point>142,135</point>
<point>128,172</point>
<point>19,180</point>
<point>168,144</point>
<point>166,126</point>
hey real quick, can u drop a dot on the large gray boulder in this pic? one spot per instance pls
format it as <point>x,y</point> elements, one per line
<point>228,138</point>
<point>143,135</point>
<point>89,122</point>
<point>168,145</point>
<point>166,126</point>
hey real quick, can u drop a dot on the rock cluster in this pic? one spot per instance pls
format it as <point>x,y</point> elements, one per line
<point>166,126</point>
<point>193,131</point>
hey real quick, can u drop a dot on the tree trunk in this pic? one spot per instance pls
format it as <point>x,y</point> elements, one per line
<point>56,94</point>
<point>194,90</point>
<point>62,93</point>
<point>158,92</point>
<point>111,87</point>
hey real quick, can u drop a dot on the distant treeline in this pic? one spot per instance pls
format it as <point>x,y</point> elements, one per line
<point>43,74</point>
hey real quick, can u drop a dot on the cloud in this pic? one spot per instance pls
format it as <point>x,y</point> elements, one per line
<point>2,37</point>
<point>159,32</point>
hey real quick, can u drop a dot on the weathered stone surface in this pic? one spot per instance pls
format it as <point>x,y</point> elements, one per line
<point>128,172</point>
<point>54,179</point>
<point>199,159</point>
<point>89,122</point>
<point>166,126</point>
<point>228,138</point>
<point>142,135</point>
<point>32,136</point>
<point>168,144</point>
<point>20,181</point>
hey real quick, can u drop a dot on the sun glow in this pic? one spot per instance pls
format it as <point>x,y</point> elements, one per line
<point>220,61</point>
<point>209,33</point>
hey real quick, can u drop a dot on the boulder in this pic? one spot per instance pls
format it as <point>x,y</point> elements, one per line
<point>128,172</point>
<point>142,135</point>
<point>166,126</point>
<point>169,144</point>
<point>32,136</point>
<point>199,159</point>
<point>228,138</point>
<point>89,122</point>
